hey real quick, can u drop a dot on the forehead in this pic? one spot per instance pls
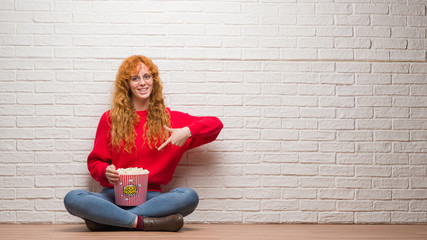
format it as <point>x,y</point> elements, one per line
<point>140,68</point>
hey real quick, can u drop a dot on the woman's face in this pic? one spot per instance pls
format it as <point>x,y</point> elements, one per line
<point>141,84</point>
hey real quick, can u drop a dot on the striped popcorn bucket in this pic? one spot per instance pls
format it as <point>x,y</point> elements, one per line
<point>131,190</point>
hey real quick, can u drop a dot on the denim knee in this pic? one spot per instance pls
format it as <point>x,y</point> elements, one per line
<point>71,199</point>
<point>190,197</point>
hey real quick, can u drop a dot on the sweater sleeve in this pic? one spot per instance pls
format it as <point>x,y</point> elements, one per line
<point>203,129</point>
<point>100,157</point>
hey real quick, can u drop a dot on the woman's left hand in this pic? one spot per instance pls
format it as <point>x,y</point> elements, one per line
<point>178,136</point>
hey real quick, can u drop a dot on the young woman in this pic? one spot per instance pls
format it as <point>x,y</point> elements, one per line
<point>139,131</point>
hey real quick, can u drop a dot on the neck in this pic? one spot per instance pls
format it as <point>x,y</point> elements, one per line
<point>140,106</point>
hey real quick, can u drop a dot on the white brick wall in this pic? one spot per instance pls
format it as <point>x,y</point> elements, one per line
<point>324,104</point>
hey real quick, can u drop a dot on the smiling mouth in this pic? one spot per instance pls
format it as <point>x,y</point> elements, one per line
<point>142,90</point>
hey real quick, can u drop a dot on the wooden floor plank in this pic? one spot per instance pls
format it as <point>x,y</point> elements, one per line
<point>223,231</point>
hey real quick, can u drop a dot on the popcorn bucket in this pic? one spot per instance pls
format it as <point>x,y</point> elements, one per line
<point>131,190</point>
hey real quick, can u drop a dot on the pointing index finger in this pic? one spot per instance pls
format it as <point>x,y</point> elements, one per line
<point>164,144</point>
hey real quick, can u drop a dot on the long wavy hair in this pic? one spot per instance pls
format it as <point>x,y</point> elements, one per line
<point>123,115</point>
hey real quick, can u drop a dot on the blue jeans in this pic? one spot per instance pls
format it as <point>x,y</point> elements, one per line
<point>100,207</point>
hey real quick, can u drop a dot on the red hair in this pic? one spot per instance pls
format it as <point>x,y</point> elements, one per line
<point>123,115</point>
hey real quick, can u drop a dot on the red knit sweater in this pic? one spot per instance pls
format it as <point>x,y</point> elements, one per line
<point>161,164</point>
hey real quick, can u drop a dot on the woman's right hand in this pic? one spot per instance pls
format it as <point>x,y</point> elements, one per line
<point>111,174</point>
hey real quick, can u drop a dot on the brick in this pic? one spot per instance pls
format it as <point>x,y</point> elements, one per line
<point>353,67</point>
<point>355,206</point>
<point>225,217</point>
<point>352,43</point>
<point>409,124</point>
<point>373,171</point>
<point>386,43</point>
<point>299,101</point>
<point>261,169</point>
<point>280,157</point>
<point>373,194</point>
<point>355,20</point>
<point>377,20</point>
<point>372,31</point>
<point>261,218</point>
<point>317,112</point>
<point>374,147</point>
<point>354,113</point>
<point>323,158</point>
<point>335,54</point>
<point>278,19</point>
<point>35,76</point>
<point>7,28</point>
<point>297,31</point>
<point>33,5</point>
<point>7,145</point>
<point>298,54</point>
<point>267,194</point>
<point>299,193</point>
<point>409,194</point>
<point>263,123</point>
<point>282,135</point>
<point>407,32</point>
<point>54,181</point>
<point>354,136</point>
<point>7,121</point>
<point>336,171</point>
<point>391,159</point>
<point>299,217</point>
<point>49,205</point>
<point>392,112</point>
<point>263,146</point>
<point>336,147</point>
<point>336,124</point>
<point>38,193</point>
<point>34,99</point>
<point>335,217</point>
<point>53,65</point>
<point>410,147</point>
<point>375,217</point>
<point>299,124</point>
<point>317,205</point>
<point>338,194</point>
<point>299,78</point>
<point>317,182</point>
<point>374,79</point>
<point>316,90</point>
<point>279,205</point>
<point>260,8</point>
<point>279,181</point>
<point>30,170</point>
<point>18,182</point>
<point>409,171</point>
<point>262,100</point>
<point>299,170</point>
<point>418,135</point>
<point>16,205</point>
<point>300,147</point>
<point>242,181</point>
<point>35,217</point>
<point>16,133</point>
<point>357,183</point>
<point>409,217</point>
<point>392,135</point>
<point>418,183</point>
<point>418,205</point>
<point>317,135</point>
<point>377,55</point>
<point>373,101</point>
<point>371,9</point>
<point>52,17</point>
<point>391,183</point>
<point>373,124</point>
<point>232,41</point>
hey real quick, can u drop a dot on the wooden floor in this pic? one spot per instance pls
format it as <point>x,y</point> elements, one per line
<point>223,231</point>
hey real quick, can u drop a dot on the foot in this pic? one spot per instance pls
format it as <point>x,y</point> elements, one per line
<point>171,223</point>
<point>97,227</point>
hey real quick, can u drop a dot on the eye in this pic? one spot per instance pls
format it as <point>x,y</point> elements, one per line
<point>134,78</point>
<point>147,77</point>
